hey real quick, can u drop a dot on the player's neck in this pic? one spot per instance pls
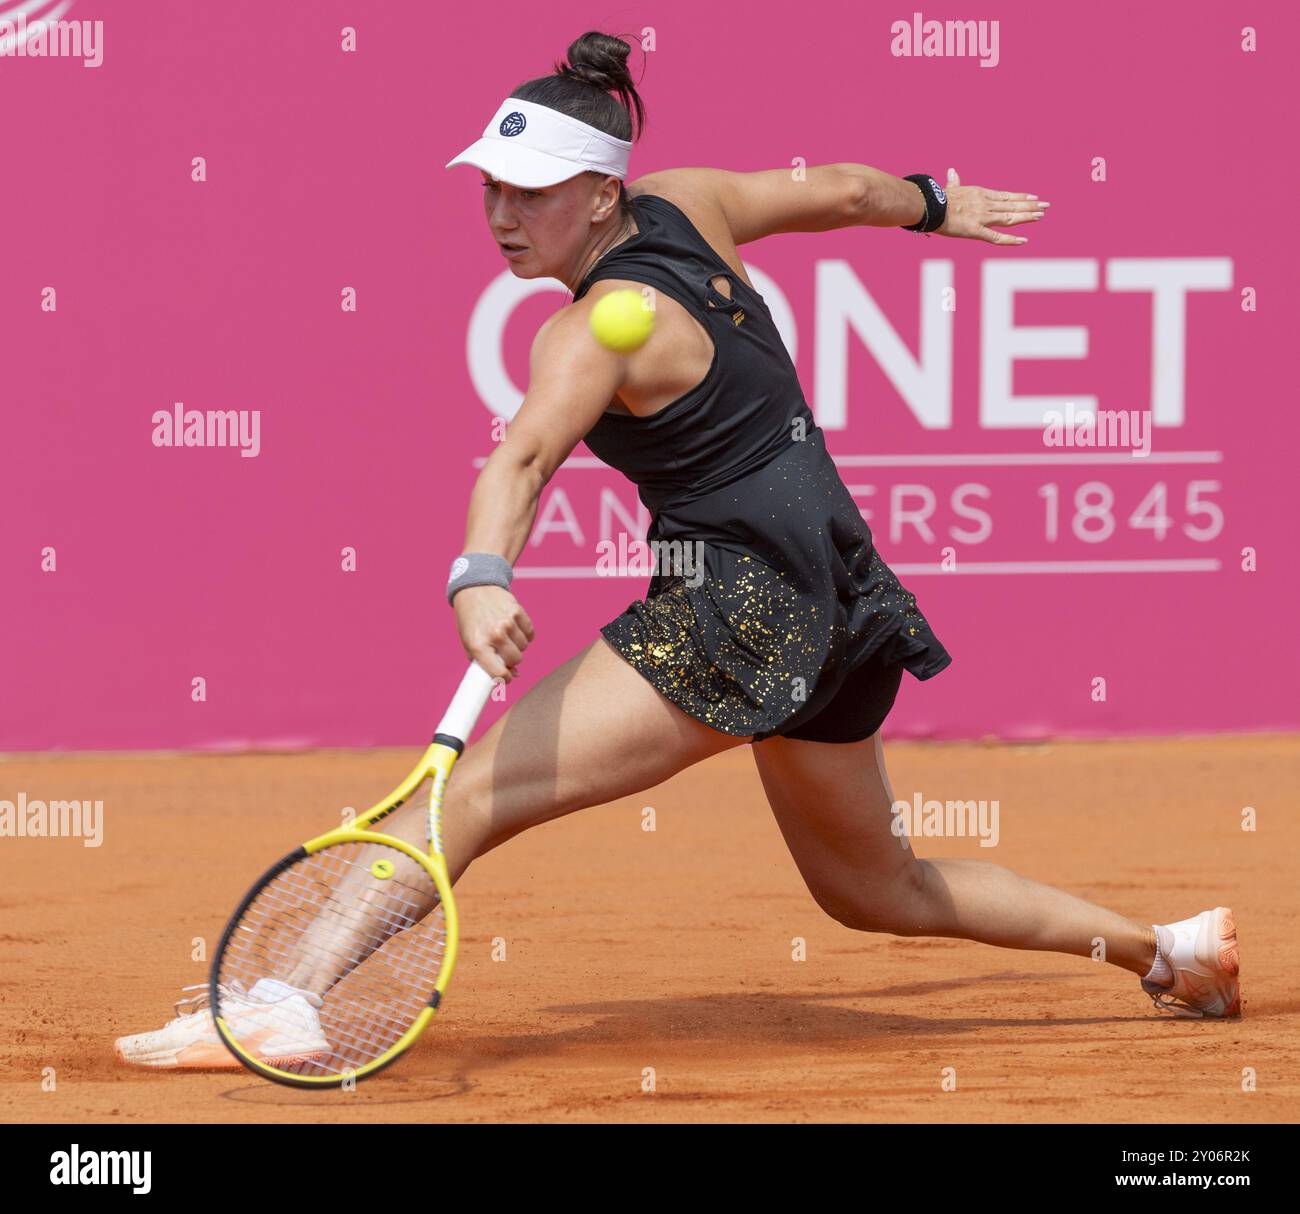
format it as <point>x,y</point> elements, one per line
<point>625,231</point>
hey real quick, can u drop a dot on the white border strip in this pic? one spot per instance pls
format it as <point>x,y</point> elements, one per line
<point>1171,565</point>
<point>980,459</point>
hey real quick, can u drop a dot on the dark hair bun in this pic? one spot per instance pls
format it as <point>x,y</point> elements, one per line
<point>600,60</point>
<point>594,86</point>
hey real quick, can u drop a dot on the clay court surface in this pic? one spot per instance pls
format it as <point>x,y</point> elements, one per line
<point>627,949</point>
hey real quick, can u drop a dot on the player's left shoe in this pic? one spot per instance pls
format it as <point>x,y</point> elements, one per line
<point>275,1023</point>
<point>1202,952</point>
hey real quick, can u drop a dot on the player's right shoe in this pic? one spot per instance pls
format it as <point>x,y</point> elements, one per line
<point>1202,952</point>
<point>276,1024</point>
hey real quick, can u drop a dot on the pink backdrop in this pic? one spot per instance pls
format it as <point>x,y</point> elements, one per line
<point>324,172</point>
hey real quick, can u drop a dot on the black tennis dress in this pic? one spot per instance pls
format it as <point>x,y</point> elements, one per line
<point>789,622</point>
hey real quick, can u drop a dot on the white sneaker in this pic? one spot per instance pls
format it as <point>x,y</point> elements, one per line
<point>1202,952</point>
<point>276,1023</point>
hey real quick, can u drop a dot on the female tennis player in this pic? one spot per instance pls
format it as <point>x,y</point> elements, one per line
<point>778,624</point>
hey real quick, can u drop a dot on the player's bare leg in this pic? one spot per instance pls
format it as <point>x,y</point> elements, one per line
<point>832,803</point>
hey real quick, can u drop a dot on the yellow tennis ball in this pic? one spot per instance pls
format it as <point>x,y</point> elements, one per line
<point>623,320</point>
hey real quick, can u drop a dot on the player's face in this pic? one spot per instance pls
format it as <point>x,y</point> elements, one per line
<point>549,227</point>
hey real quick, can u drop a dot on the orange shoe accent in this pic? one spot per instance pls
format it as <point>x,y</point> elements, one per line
<point>207,1055</point>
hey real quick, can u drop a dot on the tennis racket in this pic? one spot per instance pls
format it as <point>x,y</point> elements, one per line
<point>340,954</point>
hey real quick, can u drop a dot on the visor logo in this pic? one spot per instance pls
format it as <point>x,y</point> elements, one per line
<point>513,124</point>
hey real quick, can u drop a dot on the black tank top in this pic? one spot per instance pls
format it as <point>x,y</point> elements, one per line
<point>739,463</point>
<point>741,415</point>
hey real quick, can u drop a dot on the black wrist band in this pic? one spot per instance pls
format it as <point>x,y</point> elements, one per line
<point>936,203</point>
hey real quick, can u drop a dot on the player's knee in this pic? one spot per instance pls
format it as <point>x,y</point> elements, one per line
<point>872,904</point>
<point>849,914</point>
<point>850,908</point>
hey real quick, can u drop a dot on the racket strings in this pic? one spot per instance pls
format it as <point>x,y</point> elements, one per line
<point>365,931</point>
<point>370,947</point>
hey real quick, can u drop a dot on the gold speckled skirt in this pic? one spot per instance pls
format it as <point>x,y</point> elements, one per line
<point>727,651</point>
<point>746,650</point>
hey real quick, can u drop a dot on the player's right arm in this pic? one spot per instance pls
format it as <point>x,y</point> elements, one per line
<point>818,198</point>
<point>572,379</point>
<point>827,196</point>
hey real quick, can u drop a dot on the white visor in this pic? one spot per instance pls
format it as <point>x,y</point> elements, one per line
<point>531,146</point>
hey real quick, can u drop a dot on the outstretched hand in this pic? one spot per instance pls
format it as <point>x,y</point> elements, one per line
<point>973,212</point>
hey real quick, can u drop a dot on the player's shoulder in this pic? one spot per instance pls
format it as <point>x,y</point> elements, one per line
<point>571,321</point>
<point>700,189</point>
<point>700,194</point>
<point>569,328</point>
<point>558,329</point>
<point>568,322</point>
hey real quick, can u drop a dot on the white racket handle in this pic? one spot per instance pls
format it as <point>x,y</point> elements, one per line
<point>466,704</point>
